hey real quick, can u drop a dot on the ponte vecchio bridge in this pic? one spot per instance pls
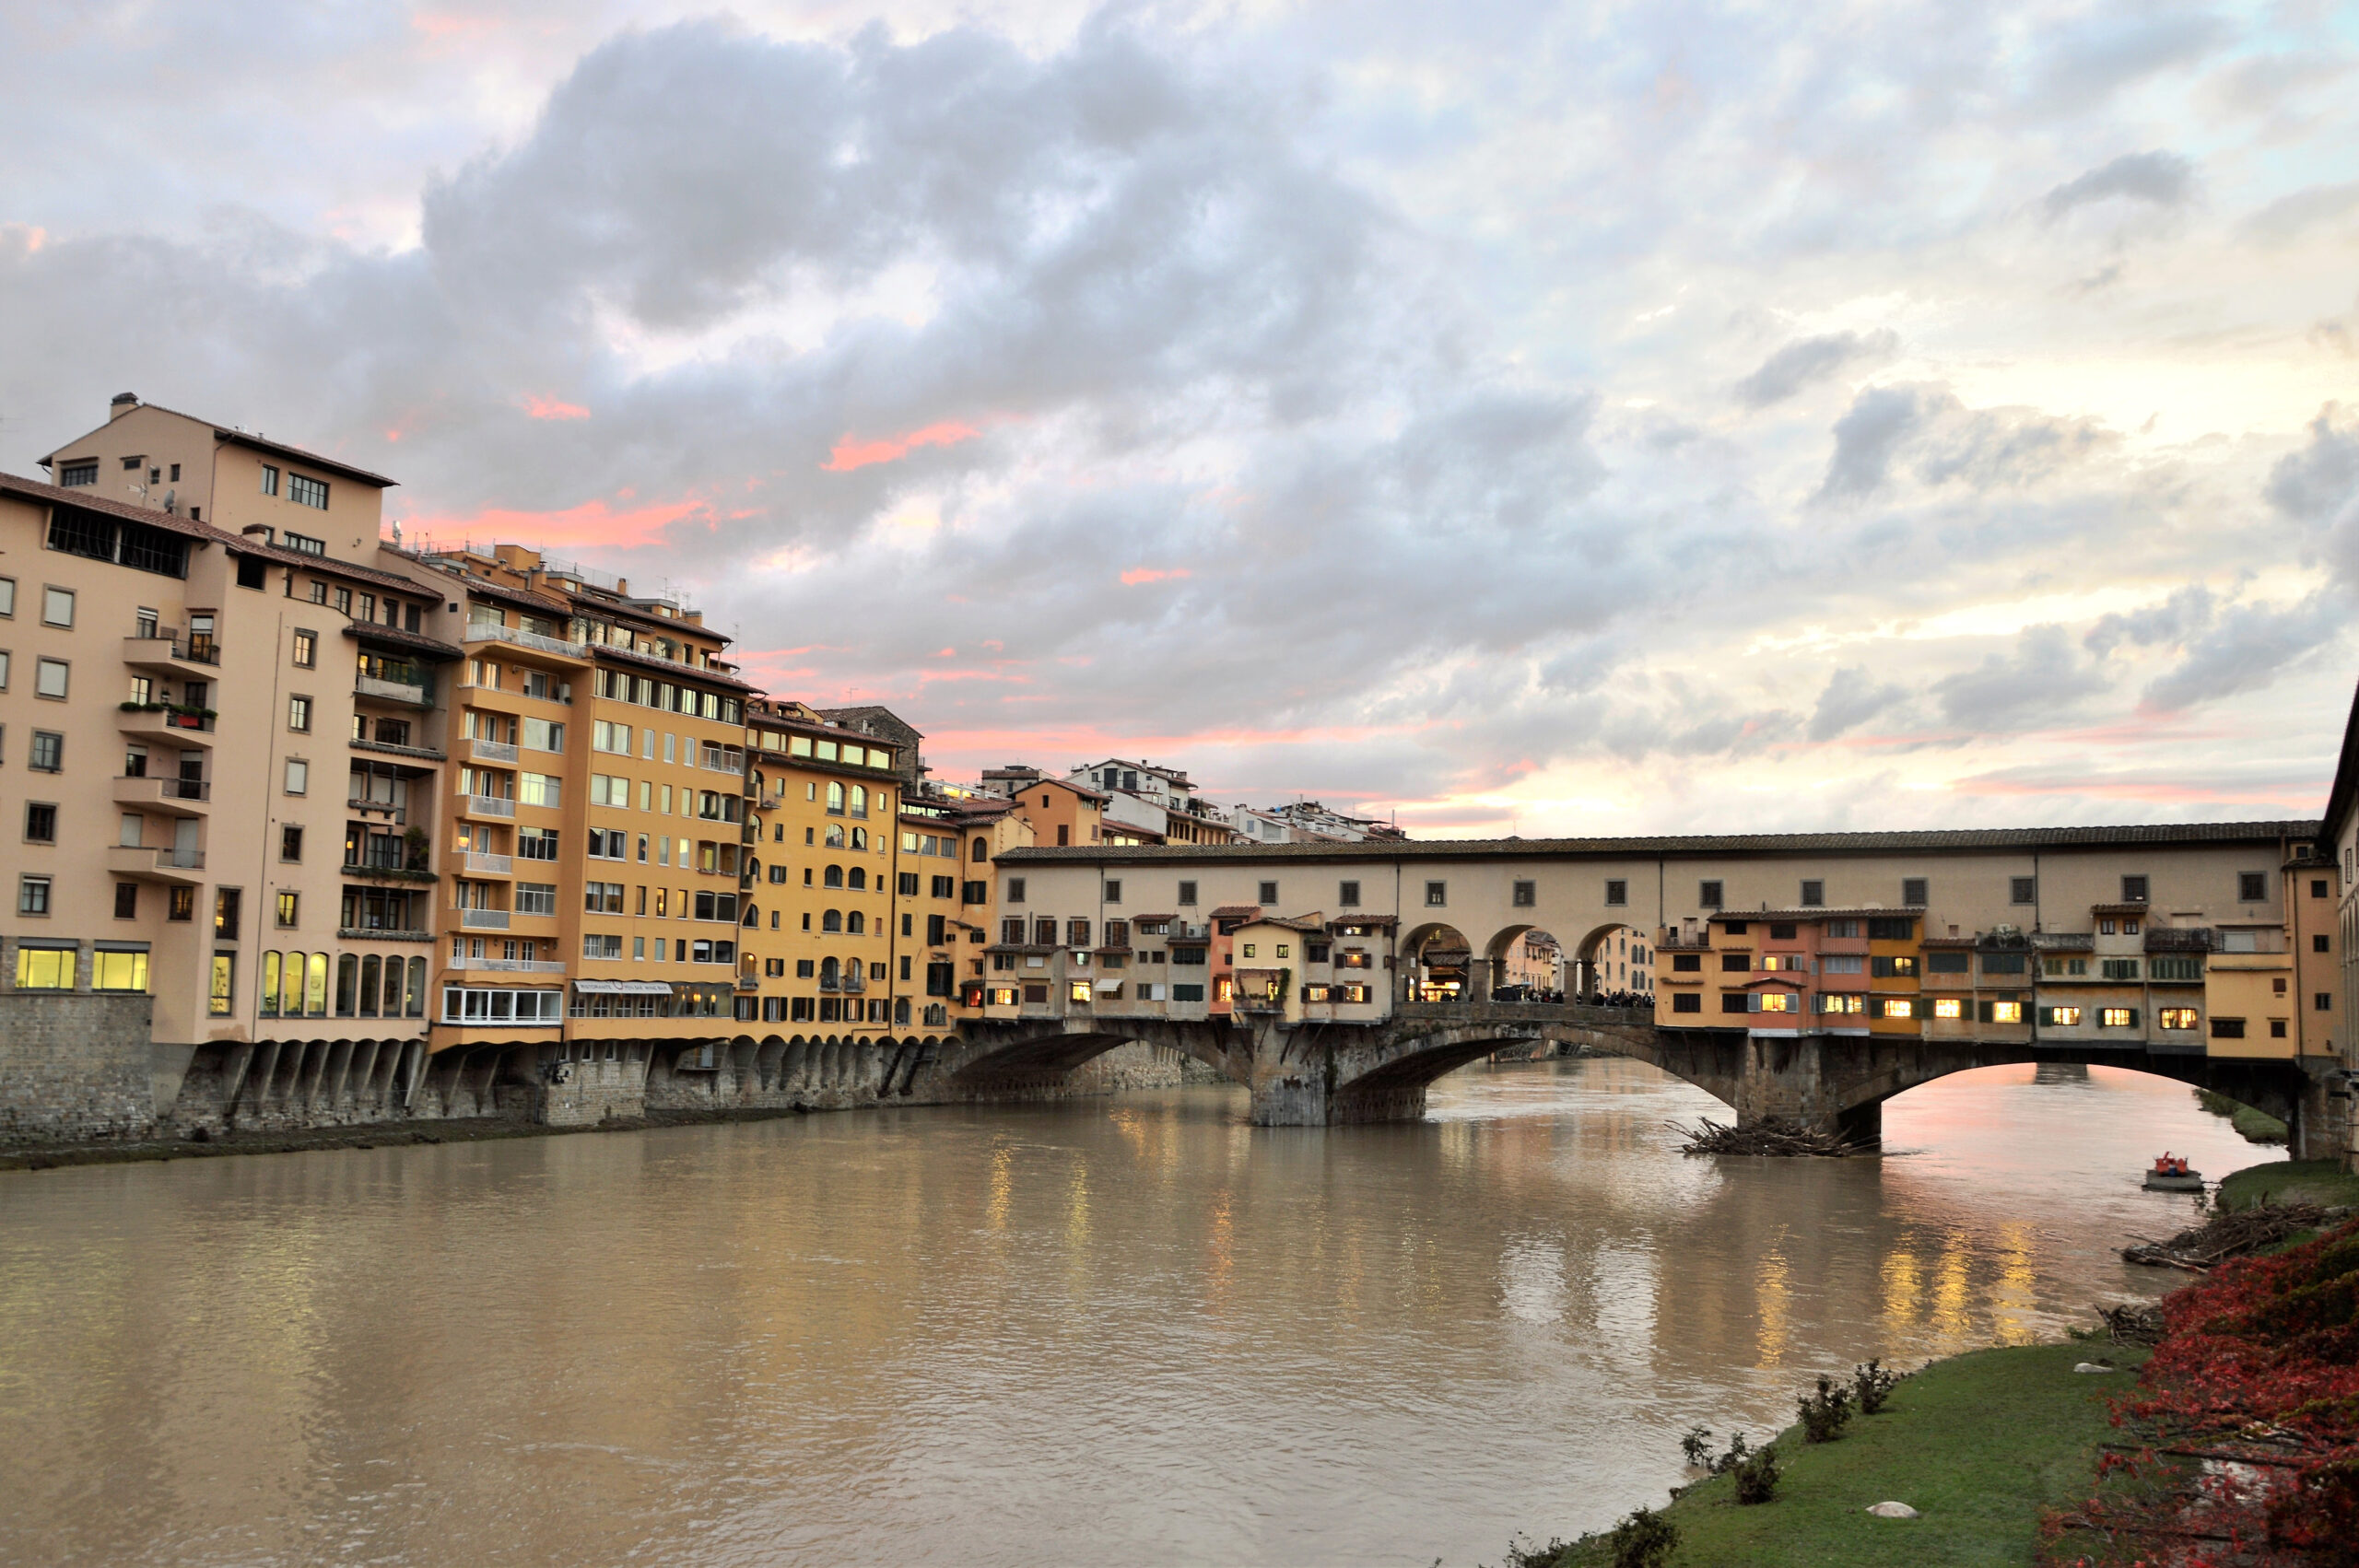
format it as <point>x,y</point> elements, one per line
<point>1800,976</point>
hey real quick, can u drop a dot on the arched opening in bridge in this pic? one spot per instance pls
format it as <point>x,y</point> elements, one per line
<point>1525,964</point>
<point>1439,962</point>
<point>1613,962</point>
<point>2097,1118</point>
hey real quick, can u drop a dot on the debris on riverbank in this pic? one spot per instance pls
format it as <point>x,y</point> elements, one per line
<point>1772,1137</point>
<point>2134,1323</point>
<point>2224,1236</point>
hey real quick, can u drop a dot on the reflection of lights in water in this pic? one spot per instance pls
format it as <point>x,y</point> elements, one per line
<point>1951,1297</point>
<point>1002,1184</point>
<point>1077,1206</point>
<point>1771,1304</point>
<point>1901,1287</point>
<point>1220,1254</point>
<point>2012,1298</point>
<point>1532,1281</point>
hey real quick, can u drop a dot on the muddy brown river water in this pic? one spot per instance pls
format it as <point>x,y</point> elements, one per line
<point>1124,1330</point>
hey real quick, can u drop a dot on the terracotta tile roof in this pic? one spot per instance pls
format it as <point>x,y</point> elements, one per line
<point>431,646</point>
<point>249,439</point>
<point>1230,911</point>
<point>677,671</point>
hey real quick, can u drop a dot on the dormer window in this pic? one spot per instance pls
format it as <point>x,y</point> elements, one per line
<point>74,475</point>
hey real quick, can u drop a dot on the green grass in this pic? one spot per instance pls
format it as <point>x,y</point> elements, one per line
<point>1980,1445</point>
<point>2252,1126</point>
<point>2286,1181</point>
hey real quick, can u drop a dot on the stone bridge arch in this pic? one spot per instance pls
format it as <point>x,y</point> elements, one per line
<point>1029,1058</point>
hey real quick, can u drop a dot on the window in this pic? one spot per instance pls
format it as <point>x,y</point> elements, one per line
<point>2317,887</point>
<point>536,897</point>
<point>119,970</point>
<point>2322,944</point>
<point>1896,1007</point>
<point>1016,889</point>
<point>1617,892</point>
<point>2023,890</point>
<point>1269,891</point>
<point>48,753</point>
<point>269,479</point>
<point>2120,968</point>
<point>1946,963</point>
<point>2175,968</point>
<point>74,475</point>
<point>1437,894</point>
<point>1813,893</point>
<point>2322,1001</point>
<point>299,777</point>
<point>45,968</point>
<point>2062,967</point>
<point>2117,1018</point>
<point>2004,1012</point>
<point>2060,1017</point>
<point>33,895</point>
<point>1844,963</point>
<point>603,898</point>
<point>1948,1007</point>
<point>594,946</point>
<point>906,884</point>
<point>307,649</point>
<point>2133,890</point>
<point>1782,930</point>
<point>291,842</point>
<point>40,823</point>
<point>2227,1028</point>
<point>1913,892</point>
<point>1347,894</point>
<point>1113,893</point>
<point>1735,1001</point>
<point>2176,1017</point>
<point>1687,1001</point>
<point>222,992</point>
<point>1786,961</point>
<point>1688,963</point>
<point>289,906</point>
<point>542,735</point>
<point>299,714</point>
<point>306,491</point>
<point>1185,898</point>
<point>473,1004</point>
<point>2252,887</point>
<point>1708,895</point>
<point>1736,963</point>
<point>539,789</point>
<point>1526,895</point>
<point>57,606</point>
<point>50,677</point>
<point>2002,963</point>
<point>1842,1003</point>
<point>540,843</point>
<point>126,901</point>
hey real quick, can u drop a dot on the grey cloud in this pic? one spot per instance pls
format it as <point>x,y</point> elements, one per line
<point>2248,648</point>
<point>1809,359</point>
<point>1878,421</point>
<point>2035,683</point>
<point>2172,622</point>
<point>2319,487</point>
<point>2107,47</point>
<point>2161,178</point>
<point>2290,217</point>
<point>1852,698</point>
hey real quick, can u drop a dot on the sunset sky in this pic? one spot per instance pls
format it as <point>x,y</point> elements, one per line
<point>1520,418</point>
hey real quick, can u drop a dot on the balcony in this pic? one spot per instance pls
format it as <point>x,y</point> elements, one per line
<point>392,691</point>
<point>490,750</point>
<point>509,966</point>
<point>423,754</point>
<point>172,797</point>
<point>483,919</point>
<point>722,759</point>
<point>476,862</point>
<point>485,806</point>
<point>381,933</point>
<point>175,727</point>
<point>182,868</point>
<point>492,631</point>
<point>169,651</point>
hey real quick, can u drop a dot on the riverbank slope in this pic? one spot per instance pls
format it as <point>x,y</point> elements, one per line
<point>1981,1444</point>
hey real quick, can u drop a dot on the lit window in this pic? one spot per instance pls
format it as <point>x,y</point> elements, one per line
<point>118,971</point>
<point>2177,1017</point>
<point>2063,1017</point>
<point>1948,1007</point>
<point>2006,1012</point>
<point>1079,990</point>
<point>1776,1001</point>
<point>45,968</point>
<point>1896,1007</point>
<point>307,649</point>
<point>289,906</point>
<point>299,713</point>
<point>2117,1018</point>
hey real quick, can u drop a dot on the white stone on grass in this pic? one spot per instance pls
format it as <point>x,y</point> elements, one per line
<point>1893,1511</point>
<point>2093,1366</point>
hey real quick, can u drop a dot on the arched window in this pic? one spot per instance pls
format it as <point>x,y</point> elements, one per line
<point>860,838</point>
<point>835,836</point>
<point>830,975</point>
<point>856,924</point>
<point>371,978</point>
<point>832,921</point>
<point>835,800</point>
<point>752,917</point>
<point>981,853</point>
<point>859,800</point>
<point>414,1000</point>
<point>754,867</point>
<point>347,978</point>
<point>859,878</point>
<point>835,877</point>
<point>315,984</point>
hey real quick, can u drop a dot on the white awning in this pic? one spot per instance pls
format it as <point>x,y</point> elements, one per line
<point>640,988</point>
<point>599,988</point>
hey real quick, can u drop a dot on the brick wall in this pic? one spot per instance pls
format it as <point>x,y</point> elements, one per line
<point>74,1066</point>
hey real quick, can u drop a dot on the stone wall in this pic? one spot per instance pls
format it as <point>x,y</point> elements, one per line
<point>74,1067</point>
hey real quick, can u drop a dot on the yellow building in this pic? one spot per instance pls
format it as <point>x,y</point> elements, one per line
<point>822,828</point>
<point>946,904</point>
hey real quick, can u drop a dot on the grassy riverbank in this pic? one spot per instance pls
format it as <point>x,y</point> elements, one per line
<point>2288,1181</point>
<point>1980,1445</point>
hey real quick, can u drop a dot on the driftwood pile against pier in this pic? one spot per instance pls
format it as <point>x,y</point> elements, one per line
<point>1778,1138</point>
<point>2224,1236</point>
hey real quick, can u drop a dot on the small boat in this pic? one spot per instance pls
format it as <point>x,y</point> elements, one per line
<point>2170,1175</point>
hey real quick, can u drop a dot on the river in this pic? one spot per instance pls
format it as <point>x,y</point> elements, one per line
<point>1115,1331</point>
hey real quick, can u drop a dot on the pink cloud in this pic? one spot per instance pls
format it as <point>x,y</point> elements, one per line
<point>550,408</point>
<point>851,453</point>
<point>591,523</point>
<point>1137,575</point>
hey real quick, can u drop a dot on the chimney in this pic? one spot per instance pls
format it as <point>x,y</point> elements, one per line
<point>121,404</point>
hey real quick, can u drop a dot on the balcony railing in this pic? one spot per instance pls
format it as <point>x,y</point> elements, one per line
<point>180,860</point>
<point>166,645</point>
<point>424,754</point>
<point>476,861</point>
<point>492,631</point>
<point>722,759</point>
<point>165,787</point>
<point>490,750</point>
<point>489,805</point>
<point>483,919</point>
<point>391,691</point>
<point>398,815</point>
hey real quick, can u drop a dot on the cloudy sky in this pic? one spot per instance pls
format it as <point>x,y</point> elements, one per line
<point>1523,418</point>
